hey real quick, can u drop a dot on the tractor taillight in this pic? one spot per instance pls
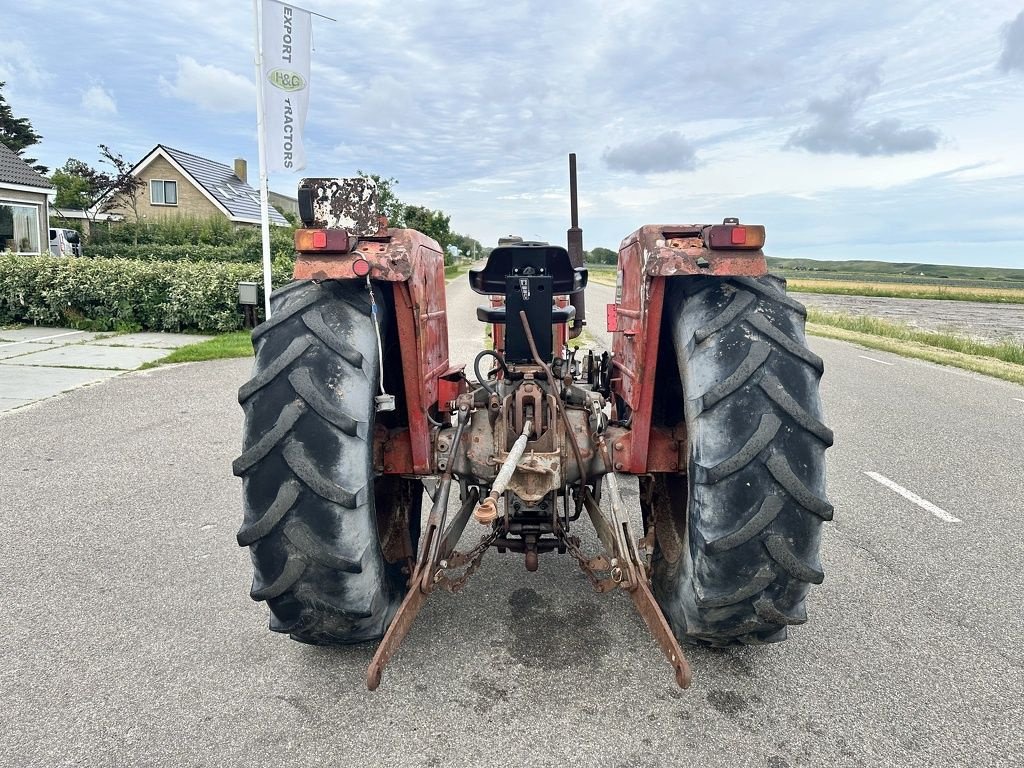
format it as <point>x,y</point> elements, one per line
<point>307,240</point>
<point>734,236</point>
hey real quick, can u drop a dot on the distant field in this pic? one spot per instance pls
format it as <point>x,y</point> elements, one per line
<point>881,279</point>
<point>997,295</point>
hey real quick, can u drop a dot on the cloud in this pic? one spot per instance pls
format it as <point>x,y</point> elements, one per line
<point>669,151</point>
<point>1013,45</point>
<point>211,88</point>
<point>838,131</point>
<point>98,100</point>
<point>18,67</point>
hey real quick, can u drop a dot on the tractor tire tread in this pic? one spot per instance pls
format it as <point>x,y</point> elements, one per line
<point>307,471</point>
<point>748,531</point>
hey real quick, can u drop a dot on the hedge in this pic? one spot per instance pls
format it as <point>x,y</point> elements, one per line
<point>127,294</point>
<point>249,251</point>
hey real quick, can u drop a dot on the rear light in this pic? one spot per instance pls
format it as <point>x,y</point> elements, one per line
<point>734,236</point>
<point>361,267</point>
<point>335,240</point>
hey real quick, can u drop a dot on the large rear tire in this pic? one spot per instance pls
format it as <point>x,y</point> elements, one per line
<point>312,523</point>
<point>738,537</point>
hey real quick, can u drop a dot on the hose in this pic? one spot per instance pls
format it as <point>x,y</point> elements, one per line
<point>476,369</point>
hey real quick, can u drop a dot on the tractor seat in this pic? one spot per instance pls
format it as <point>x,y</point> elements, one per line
<point>559,315</point>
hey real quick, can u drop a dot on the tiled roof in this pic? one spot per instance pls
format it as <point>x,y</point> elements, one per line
<point>219,180</point>
<point>14,170</point>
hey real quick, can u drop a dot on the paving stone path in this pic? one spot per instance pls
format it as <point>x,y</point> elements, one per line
<point>37,363</point>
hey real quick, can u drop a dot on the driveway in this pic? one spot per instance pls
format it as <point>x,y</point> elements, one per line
<point>37,363</point>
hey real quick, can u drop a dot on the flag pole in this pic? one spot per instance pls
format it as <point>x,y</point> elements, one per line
<point>260,130</point>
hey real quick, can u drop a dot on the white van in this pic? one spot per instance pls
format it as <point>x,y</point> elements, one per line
<point>65,242</point>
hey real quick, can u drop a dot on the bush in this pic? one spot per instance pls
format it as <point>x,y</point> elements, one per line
<point>127,294</point>
<point>244,250</point>
<point>183,230</point>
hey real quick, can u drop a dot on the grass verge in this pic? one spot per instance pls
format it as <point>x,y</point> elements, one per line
<point>1004,360</point>
<point>456,270</point>
<point>908,291</point>
<point>235,344</point>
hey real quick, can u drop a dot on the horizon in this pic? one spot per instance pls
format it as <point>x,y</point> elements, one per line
<point>850,133</point>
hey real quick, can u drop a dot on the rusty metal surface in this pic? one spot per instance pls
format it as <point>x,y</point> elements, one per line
<point>414,264</point>
<point>396,255</point>
<point>666,449</point>
<point>636,351</point>
<point>647,258</point>
<point>666,250</point>
<point>392,451</point>
<point>344,203</point>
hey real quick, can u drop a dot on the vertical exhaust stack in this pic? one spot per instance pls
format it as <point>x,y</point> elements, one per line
<point>575,248</point>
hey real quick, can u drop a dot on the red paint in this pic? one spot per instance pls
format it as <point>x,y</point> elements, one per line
<point>647,259</point>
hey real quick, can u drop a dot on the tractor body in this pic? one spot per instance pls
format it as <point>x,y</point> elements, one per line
<point>536,437</point>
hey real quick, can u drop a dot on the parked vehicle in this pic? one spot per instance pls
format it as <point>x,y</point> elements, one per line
<point>65,242</point>
<point>710,398</point>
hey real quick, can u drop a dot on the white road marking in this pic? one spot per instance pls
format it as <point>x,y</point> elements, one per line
<point>41,338</point>
<point>1018,400</point>
<point>873,360</point>
<point>939,512</point>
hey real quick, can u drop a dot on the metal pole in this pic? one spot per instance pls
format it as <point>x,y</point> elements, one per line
<point>260,132</point>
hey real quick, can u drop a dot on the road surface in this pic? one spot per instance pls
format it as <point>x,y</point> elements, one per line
<point>130,638</point>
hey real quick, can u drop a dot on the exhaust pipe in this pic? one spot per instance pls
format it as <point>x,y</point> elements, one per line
<point>575,243</point>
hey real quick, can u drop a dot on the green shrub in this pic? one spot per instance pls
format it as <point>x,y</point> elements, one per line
<point>243,250</point>
<point>127,294</point>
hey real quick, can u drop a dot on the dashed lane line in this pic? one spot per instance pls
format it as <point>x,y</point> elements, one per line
<point>939,512</point>
<point>874,360</point>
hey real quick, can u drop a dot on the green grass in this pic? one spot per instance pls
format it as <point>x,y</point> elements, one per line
<point>456,270</point>
<point>986,294</point>
<point>903,271</point>
<point>235,344</point>
<point>1004,360</point>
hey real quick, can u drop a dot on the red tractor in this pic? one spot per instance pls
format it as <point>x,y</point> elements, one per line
<point>710,398</point>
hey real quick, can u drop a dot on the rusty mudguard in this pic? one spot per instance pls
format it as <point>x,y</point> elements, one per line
<point>647,258</point>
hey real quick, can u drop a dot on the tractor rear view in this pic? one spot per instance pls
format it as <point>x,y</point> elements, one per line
<point>709,397</point>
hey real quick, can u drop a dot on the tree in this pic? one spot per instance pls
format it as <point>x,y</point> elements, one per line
<point>387,201</point>
<point>602,256</point>
<point>435,224</point>
<point>468,247</point>
<point>79,185</point>
<point>124,186</point>
<point>17,133</point>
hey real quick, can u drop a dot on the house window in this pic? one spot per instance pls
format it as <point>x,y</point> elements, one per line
<point>19,228</point>
<point>163,192</point>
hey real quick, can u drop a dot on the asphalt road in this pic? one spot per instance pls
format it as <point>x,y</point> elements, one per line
<point>130,639</point>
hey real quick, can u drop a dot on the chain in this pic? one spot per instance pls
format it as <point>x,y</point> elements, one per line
<point>473,558</point>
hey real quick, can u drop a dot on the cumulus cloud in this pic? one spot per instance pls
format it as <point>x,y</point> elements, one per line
<point>669,151</point>
<point>98,100</point>
<point>1013,45</point>
<point>837,129</point>
<point>211,88</point>
<point>18,67</point>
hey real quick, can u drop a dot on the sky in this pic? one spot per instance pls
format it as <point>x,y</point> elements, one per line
<point>885,129</point>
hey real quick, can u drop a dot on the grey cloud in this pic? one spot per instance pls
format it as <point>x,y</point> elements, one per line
<point>1013,45</point>
<point>838,131</point>
<point>669,151</point>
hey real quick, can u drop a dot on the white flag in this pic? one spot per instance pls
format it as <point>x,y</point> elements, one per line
<point>286,46</point>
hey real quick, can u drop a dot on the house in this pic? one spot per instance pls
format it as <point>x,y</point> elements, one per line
<point>178,183</point>
<point>24,206</point>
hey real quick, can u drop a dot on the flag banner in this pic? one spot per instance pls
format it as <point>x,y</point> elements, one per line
<point>286,46</point>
